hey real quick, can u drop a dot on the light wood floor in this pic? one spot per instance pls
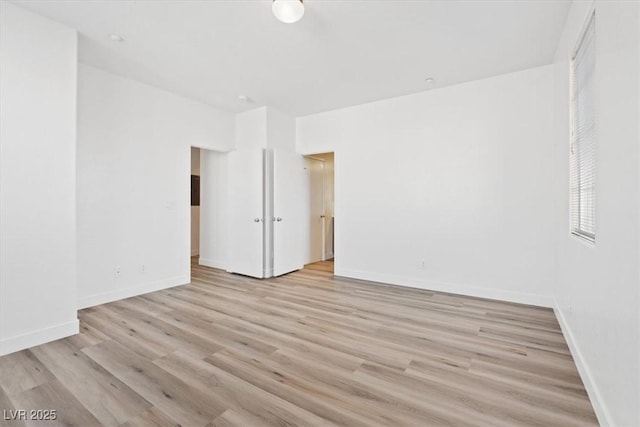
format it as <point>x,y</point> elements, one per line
<point>305,349</point>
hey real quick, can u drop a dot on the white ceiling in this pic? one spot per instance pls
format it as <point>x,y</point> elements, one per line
<point>341,53</point>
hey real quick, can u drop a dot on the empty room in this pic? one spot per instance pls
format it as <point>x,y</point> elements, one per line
<point>319,212</point>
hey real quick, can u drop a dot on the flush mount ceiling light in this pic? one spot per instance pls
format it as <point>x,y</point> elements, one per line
<point>116,38</point>
<point>288,11</point>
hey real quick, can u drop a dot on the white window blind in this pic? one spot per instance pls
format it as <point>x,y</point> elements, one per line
<point>583,136</point>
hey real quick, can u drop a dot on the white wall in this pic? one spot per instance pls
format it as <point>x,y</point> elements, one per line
<point>281,130</point>
<point>37,179</point>
<point>251,129</point>
<point>597,285</point>
<point>457,177</point>
<point>133,213</point>
<point>195,210</point>
<point>265,127</point>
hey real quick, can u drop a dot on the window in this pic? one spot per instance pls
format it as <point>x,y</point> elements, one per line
<point>583,136</point>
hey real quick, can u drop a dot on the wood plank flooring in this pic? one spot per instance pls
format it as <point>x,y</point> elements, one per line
<point>305,349</point>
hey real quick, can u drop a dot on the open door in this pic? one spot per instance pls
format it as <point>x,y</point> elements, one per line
<point>288,212</point>
<point>246,215</point>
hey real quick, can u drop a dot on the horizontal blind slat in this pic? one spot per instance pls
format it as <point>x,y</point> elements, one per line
<point>583,136</point>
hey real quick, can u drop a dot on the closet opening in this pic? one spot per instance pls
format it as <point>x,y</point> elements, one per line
<point>321,219</point>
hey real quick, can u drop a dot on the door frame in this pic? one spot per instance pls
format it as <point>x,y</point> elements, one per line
<point>323,251</point>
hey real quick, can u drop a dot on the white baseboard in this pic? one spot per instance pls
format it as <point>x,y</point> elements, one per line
<point>453,288</point>
<point>212,263</point>
<point>41,336</point>
<point>132,291</point>
<point>603,414</point>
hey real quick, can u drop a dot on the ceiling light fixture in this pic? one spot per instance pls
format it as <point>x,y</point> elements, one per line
<point>116,38</point>
<point>429,80</point>
<point>288,11</point>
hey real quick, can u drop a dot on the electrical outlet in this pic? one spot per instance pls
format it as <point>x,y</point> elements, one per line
<point>142,268</point>
<point>116,272</point>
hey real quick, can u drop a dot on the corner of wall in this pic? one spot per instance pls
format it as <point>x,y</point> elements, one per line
<point>213,263</point>
<point>42,226</point>
<point>593,391</point>
<point>143,288</point>
<point>453,288</point>
<point>34,338</point>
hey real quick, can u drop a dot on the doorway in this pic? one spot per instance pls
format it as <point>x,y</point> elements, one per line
<point>250,219</point>
<point>321,213</point>
<point>209,206</point>
<point>195,202</point>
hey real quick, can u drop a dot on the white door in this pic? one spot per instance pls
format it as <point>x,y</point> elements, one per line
<point>315,181</point>
<point>246,221</point>
<point>288,212</point>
